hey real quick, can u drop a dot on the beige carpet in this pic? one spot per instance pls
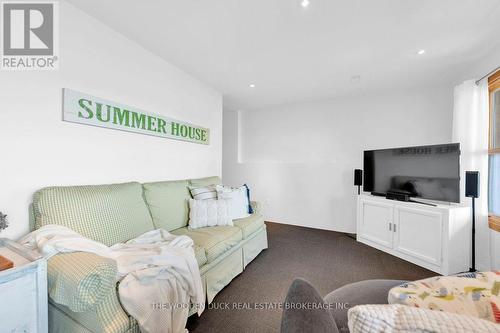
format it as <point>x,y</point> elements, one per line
<point>250,303</point>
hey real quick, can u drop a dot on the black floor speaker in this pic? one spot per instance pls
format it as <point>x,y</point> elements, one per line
<point>358,179</point>
<point>472,191</point>
<point>472,184</point>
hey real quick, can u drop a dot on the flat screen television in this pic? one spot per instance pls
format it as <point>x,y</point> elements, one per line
<point>428,172</point>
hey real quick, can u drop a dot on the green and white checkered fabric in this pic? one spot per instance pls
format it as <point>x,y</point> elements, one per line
<point>106,317</point>
<point>215,240</point>
<point>168,203</point>
<point>80,280</point>
<point>200,255</point>
<point>83,286</point>
<point>109,214</point>
<point>249,224</point>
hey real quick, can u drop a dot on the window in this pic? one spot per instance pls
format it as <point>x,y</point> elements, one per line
<point>494,152</point>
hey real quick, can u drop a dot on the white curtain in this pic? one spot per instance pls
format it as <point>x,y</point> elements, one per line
<point>470,128</point>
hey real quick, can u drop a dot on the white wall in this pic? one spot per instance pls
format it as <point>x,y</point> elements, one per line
<point>38,149</point>
<point>299,159</point>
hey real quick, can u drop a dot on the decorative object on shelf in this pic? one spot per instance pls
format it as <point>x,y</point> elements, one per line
<point>5,263</point>
<point>472,191</point>
<point>4,223</point>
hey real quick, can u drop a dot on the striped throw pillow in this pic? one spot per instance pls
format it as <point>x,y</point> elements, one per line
<point>203,192</point>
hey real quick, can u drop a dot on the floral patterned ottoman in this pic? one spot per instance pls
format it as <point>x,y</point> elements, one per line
<point>473,294</point>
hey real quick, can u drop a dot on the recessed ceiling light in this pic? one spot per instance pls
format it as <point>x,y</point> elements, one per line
<point>305,3</point>
<point>252,85</point>
<point>420,52</point>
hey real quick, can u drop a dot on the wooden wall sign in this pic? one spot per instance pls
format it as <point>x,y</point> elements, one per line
<point>90,110</point>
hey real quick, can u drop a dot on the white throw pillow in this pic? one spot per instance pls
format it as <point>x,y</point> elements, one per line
<point>208,213</point>
<point>238,200</point>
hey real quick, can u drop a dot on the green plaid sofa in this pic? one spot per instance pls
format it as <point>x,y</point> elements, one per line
<point>82,290</point>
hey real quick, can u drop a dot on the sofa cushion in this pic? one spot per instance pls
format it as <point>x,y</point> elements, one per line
<point>200,255</point>
<point>215,240</point>
<point>108,214</point>
<point>168,203</point>
<point>215,180</point>
<point>250,224</point>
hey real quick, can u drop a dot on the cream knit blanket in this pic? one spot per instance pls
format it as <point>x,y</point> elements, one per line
<point>158,273</point>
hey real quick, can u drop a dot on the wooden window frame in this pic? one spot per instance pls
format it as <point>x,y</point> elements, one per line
<point>493,85</point>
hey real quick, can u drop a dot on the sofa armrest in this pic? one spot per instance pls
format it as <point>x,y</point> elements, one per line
<point>257,207</point>
<point>80,280</point>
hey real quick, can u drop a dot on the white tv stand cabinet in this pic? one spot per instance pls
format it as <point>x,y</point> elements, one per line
<point>437,238</point>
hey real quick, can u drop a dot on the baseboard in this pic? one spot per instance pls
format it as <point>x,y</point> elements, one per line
<point>353,236</point>
<point>308,227</point>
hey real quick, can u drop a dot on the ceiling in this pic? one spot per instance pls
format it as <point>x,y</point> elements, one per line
<point>293,54</point>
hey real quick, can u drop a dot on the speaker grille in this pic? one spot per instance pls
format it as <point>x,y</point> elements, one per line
<point>358,177</point>
<point>472,184</point>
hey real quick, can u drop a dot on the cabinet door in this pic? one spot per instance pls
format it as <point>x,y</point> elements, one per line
<point>375,222</point>
<point>418,233</point>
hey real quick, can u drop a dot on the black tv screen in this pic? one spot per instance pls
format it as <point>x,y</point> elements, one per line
<point>429,172</point>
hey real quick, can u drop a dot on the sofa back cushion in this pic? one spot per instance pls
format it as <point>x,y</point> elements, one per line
<point>168,203</point>
<point>215,180</point>
<point>109,214</point>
